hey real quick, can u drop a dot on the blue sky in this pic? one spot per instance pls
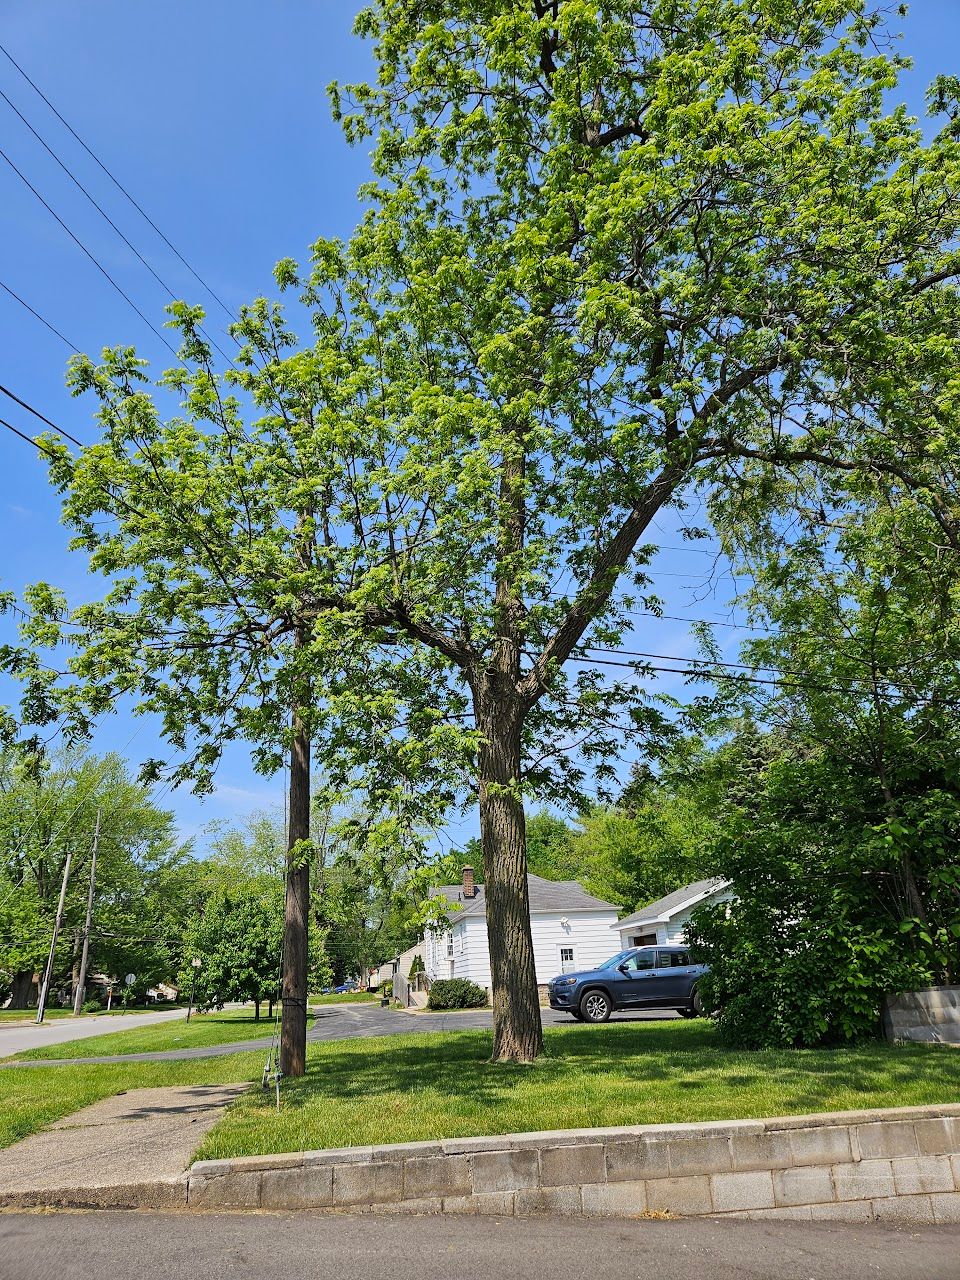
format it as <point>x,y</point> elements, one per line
<point>215,117</point>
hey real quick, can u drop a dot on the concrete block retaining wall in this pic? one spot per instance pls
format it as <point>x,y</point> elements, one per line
<point>901,1165</point>
<point>931,1016</point>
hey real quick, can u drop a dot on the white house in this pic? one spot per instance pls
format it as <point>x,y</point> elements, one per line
<point>665,921</point>
<point>571,930</point>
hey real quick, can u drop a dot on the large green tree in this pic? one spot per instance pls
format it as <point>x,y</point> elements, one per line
<point>614,254</point>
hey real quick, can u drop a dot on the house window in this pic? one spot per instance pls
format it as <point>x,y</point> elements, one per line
<point>566,960</point>
<point>449,946</point>
<point>644,940</point>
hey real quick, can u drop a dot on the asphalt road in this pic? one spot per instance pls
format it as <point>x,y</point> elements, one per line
<point>309,1246</point>
<point>17,1039</point>
<point>342,1022</point>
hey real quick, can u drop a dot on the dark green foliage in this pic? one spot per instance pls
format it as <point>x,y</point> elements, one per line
<point>456,993</point>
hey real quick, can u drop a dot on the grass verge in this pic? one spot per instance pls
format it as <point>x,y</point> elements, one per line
<point>346,997</point>
<point>434,1085</point>
<point>203,1029</point>
<point>411,1088</point>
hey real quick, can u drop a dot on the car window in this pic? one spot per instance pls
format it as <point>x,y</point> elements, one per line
<point>642,960</point>
<point>673,960</point>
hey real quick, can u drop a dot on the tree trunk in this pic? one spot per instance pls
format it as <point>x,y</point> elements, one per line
<point>517,1029</point>
<point>22,989</point>
<point>293,1030</point>
<point>256,1010</point>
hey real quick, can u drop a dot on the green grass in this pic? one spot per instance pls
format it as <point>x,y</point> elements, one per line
<point>407,1088</point>
<point>202,1029</point>
<point>411,1088</point>
<point>30,1015</point>
<point>347,997</point>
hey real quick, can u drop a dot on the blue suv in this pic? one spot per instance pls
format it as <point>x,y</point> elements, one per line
<point>640,978</point>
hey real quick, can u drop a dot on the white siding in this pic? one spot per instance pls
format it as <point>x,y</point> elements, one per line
<point>589,933</point>
<point>673,931</point>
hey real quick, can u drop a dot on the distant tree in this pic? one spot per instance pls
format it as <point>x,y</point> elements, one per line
<point>237,936</point>
<point>145,880</point>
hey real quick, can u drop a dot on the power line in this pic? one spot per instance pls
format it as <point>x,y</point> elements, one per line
<point>103,213</point>
<point>28,439</point>
<point>96,262</point>
<point>36,314</point>
<point>24,404</point>
<point>118,184</point>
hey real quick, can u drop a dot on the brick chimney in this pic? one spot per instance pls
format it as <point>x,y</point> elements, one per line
<point>469,888</point>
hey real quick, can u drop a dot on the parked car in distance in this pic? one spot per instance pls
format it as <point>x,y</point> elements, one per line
<point>639,978</point>
<point>346,986</point>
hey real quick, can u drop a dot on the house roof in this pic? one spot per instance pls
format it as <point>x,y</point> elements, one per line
<point>545,896</point>
<point>665,908</point>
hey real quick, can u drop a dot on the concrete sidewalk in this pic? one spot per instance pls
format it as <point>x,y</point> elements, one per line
<point>17,1039</point>
<point>129,1150</point>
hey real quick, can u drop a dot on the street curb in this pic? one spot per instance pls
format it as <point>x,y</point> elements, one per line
<point>166,1193</point>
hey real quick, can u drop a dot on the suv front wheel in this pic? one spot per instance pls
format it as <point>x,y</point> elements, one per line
<point>596,1006</point>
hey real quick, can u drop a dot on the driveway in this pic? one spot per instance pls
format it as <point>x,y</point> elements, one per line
<point>341,1022</point>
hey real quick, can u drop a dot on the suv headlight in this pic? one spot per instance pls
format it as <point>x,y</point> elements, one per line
<point>565,982</point>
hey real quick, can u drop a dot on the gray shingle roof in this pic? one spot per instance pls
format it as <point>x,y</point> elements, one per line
<point>545,895</point>
<point>668,906</point>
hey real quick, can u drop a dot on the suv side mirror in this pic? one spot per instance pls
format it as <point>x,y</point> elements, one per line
<point>624,968</point>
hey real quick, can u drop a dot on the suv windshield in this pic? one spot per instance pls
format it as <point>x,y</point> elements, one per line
<point>615,960</point>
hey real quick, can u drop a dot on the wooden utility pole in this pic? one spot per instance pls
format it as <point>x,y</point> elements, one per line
<point>82,980</point>
<point>293,1028</point>
<point>48,972</point>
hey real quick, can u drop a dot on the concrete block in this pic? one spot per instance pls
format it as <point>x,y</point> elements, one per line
<point>937,1136</point>
<point>906,1209</point>
<point>699,1155</point>
<point>375,1183</point>
<point>760,1151</point>
<point>615,1199</point>
<point>851,1211</point>
<point>251,1164</point>
<point>821,1145</point>
<point>407,1151</point>
<point>867,1180</point>
<point>946,1208</point>
<point>807,1184</point>
<point>297,1188</point>
<point>917,1174</point>
<point>564,1201</point>
<point>436,1176</point>
<point>885,1140</point>
<point>468,1146</point>
<point>428,1204</point>
<point>572,1166</point>
<point>955,1166</point>
<point>230,1191</point>
<point>505,1170</point>
<point>745,1190</point>
<point>801,1213</point>
<point>628,1161</point>
<point>495,1203</point>
<point>339,1155</point>
<point>680,1195</point>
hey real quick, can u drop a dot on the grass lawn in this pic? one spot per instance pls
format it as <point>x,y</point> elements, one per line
<point>30,1015</point>
<point>410,1088</point>
<point>202,1029</point>
<point>347,997</point>
<point>405,1088</point>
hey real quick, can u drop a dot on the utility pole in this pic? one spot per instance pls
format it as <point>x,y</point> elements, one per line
<point>82,980</point>
<point>48,972</point>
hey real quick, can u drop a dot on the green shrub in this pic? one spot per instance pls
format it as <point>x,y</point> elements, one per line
<point>456,993</point>
<point>386,989</point>
<point>91,1006</point>
<point>416,966</point>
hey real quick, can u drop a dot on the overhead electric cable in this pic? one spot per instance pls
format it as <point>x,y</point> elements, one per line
<point>118,184</point>
<point>24,404</point>
<point>36,314</point>
<point>99,208</point>
<point>96,262</point>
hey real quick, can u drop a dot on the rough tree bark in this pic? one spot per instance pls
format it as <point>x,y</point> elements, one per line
<point>517,1029</point>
